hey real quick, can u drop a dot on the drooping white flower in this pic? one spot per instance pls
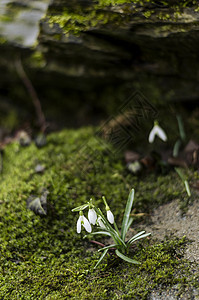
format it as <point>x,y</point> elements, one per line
<point>157,130</point>
<point>82,221</point>
<point>92,216</point>
<point>110,216</point>
<point>100,222</point>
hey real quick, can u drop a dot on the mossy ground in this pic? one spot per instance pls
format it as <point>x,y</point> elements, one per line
<point>44,257</point>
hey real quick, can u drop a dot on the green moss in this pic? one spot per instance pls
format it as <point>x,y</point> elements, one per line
<point>3,40</point>
<point>75,22</point>
<point>9,120</point>
<point>37,59</point>
<point>44,257</point>
<point>115,13</point>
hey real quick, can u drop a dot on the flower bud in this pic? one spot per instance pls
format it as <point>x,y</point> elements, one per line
<point>92,216</point>
<point>110,216</point>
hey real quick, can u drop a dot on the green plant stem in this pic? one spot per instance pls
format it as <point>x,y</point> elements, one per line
<point>116,237</point>
<point>116,228</point>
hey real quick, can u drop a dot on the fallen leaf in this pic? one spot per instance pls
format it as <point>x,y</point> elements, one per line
<point>38,204</point>
<point>192,153</point>
<point>191,146</point>
<point>179,162</point>
<point>131,156</point>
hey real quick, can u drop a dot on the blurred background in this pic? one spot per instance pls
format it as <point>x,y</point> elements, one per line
<point>75,63</point>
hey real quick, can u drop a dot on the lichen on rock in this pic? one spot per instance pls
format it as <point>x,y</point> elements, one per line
<point>80,17</point>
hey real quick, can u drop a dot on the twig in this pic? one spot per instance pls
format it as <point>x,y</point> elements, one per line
<point>97,243</point>
<point>33,94</point>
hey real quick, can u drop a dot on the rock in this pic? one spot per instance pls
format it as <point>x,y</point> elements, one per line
<point>98,54</point>
<point>20,20</point>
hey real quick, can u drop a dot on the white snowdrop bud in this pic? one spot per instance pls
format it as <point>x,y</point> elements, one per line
<point>100,223</point>
<point>92,216</point>
<point>110,216</point>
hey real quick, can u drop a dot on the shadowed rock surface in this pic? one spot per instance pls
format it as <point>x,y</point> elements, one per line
<point>90,57</point>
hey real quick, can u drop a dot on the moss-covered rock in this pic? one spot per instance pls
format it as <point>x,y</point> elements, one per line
<point>80,17</point>
<point>44,257</point>
<point>98,52</point>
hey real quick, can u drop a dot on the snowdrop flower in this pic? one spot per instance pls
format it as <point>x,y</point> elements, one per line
<point>92,216</point>
<point>100,223</point>
<point>110,216</point>
<point>83,221</point>
<point>157,130</point>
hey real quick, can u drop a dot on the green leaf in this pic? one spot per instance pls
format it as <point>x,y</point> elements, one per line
<point>186,184</point>
<point>187,188</point>
<point>127,214</point>
<point>133,239</point>
<point>129,223</point>
<point>176,148</point>
<point>180,174</point>
<point>136,235</point>
<point>102,256</point>
<point>98,232</point>
<point>126,258</point>
<point>79,208</point>
<point>107,247</point>
<point>181,127</point>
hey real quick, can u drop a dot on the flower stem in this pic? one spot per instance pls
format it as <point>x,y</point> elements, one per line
<point>116,228</point>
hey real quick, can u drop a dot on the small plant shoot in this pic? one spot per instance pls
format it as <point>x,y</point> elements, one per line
<point>107,226</point>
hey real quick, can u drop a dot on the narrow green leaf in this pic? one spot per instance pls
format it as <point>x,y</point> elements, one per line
<point>187,188</point>
<point>126,258</point>
<point>107,247</point>
<point>79,208</point>
<point>129,223</point>
<point>99,232</point>
<point>176,148</point>
<point>120,241</point>
<point>137,238</point>
<point>186,184</point>
<point>136,235</point>
<point>180,174</point>
<point>181,127</point>
<point>102,256</point>
<point>127,214</point>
